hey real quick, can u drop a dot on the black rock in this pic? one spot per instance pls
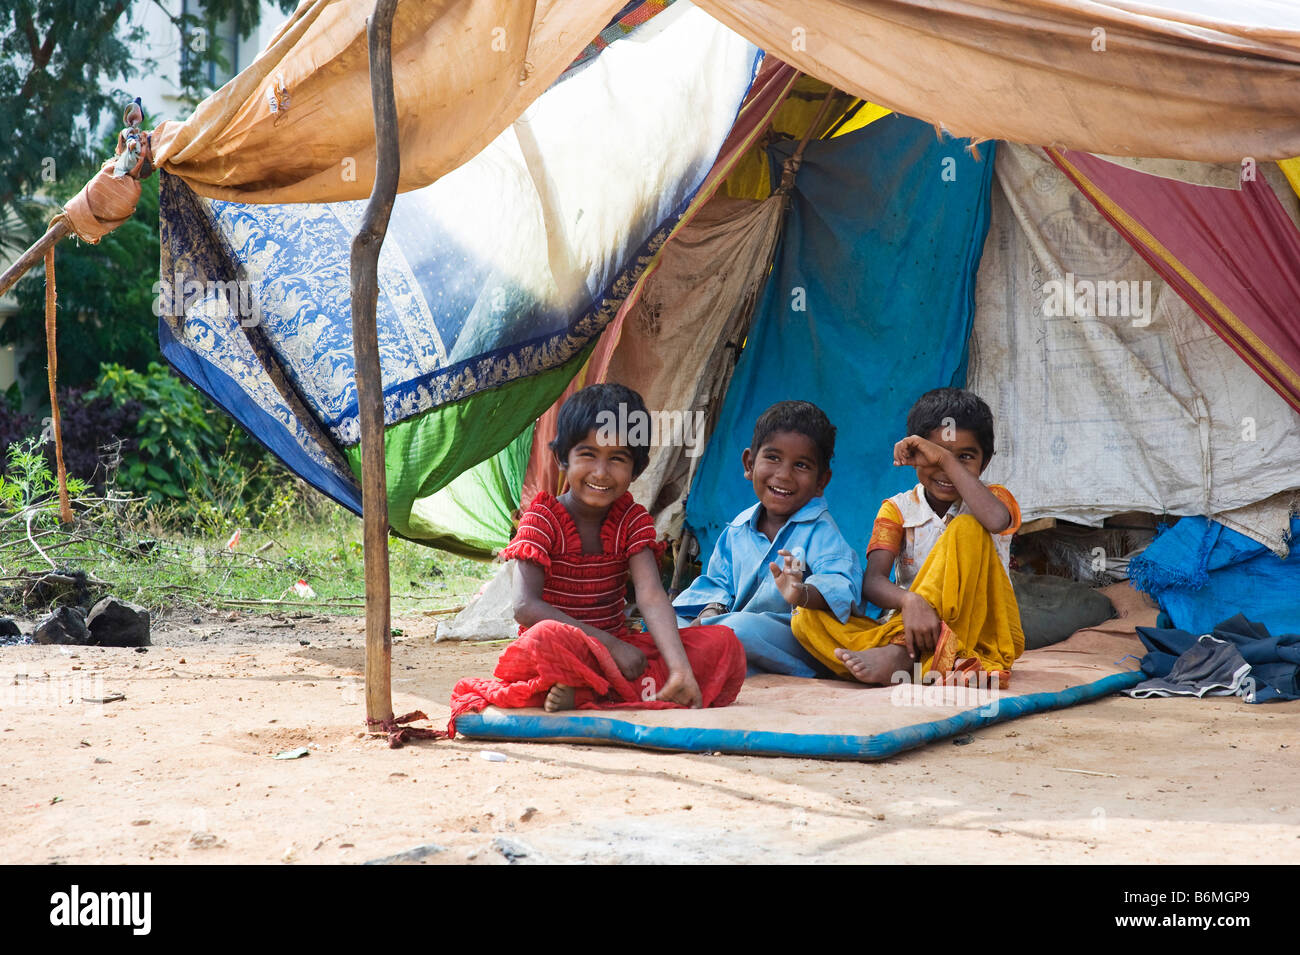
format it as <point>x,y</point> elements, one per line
<point>10,635</point>
<point>65,626</point>
<point>116,623</point>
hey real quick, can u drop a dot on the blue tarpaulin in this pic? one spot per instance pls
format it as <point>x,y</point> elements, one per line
<point>869,305</point>
<point>1201,572</point>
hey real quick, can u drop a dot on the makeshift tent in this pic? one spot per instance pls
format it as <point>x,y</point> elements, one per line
<point>534,221</point>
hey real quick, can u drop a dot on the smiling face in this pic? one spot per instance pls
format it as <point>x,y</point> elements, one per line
<point>786,472</point>
<point>599,474</point>
<point>965,447</point>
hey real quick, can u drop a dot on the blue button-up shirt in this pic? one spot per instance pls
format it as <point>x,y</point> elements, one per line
<point>738,576</point>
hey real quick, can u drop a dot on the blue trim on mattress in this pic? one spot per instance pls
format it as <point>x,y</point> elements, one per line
<point>499,724</point>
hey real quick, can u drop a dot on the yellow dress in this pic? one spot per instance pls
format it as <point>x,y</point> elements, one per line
<point>963,579</point>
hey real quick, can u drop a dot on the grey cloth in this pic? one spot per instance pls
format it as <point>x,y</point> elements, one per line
<point>1210,667</point>
<point>1052,608</point>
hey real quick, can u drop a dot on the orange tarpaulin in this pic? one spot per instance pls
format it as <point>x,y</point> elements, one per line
<point>1121,78</point>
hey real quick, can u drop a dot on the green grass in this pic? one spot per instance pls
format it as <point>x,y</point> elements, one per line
<point>145,563</point>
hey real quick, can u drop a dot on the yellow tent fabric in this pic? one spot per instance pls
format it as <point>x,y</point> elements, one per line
<point>1291,169</point>
<point>1123,78</point>
<point>866,114</point>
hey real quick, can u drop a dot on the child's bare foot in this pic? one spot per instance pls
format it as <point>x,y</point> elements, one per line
<point>560,697</point>
<point>877,665</point>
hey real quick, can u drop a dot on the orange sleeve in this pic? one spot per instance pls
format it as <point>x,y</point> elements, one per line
<point>1003,495</point>
<point>887,532</point>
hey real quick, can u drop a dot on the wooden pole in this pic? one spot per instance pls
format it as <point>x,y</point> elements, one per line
<point>365,350</point>
<point>33,255</point>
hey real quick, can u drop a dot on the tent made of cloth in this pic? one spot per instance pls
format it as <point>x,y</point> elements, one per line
<point>558,214</point>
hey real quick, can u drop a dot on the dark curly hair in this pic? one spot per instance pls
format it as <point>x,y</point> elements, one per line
<point>801,417</point>
<point>588,410</point>
<point>967,410</point>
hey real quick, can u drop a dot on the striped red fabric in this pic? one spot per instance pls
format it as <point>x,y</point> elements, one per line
<point>591,588</point>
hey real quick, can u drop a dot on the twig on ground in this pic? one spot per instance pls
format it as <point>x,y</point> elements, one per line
<point>436,613</point>
<point>1085,772</point>
<point>31,513</point>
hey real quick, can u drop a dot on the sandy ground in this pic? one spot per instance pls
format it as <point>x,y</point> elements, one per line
<point>181,771</point>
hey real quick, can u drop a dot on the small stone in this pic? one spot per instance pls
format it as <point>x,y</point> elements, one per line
<point>65,626</point>
<point>205,840</point>
<point>141,822</point>
<point>101,759</point>
<point>528,813</point>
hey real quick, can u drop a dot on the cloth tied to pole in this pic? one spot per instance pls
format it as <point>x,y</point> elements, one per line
<point>103,204</point>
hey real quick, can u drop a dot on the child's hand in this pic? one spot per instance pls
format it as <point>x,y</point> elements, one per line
<point>921,625</point>
<point>629,660</point>
<point>682,688</point>
<point>788,580</point>
<point>915,450</point>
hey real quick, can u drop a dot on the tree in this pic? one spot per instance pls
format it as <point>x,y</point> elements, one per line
<point>105,295</point>
<point>60,65</point>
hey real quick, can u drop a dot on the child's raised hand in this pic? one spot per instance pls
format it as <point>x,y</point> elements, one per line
<point>789,577</point>
<point>914,450</point>
<point>682,688</point>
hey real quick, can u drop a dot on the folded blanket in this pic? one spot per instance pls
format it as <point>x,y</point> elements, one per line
<point>1210,668</point>
<point>1274,661</point>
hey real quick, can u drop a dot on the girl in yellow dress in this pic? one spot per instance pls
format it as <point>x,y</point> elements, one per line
<point>948,539</point>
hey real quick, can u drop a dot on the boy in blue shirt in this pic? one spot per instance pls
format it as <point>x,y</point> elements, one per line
<point>756,574</point>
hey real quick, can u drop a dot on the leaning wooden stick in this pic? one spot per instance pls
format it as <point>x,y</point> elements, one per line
<point>52,369</point>
<point>33,255</point>
<point>369,378</point>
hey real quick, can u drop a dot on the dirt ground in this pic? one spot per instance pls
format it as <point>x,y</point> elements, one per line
<point>180,770</point>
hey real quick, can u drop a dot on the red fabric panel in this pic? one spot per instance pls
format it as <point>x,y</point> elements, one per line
<point>1233,256</point>
<point>551,652</point>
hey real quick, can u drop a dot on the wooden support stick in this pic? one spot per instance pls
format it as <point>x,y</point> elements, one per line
<point>33,255</point>
<point>365,350</point>
<point>679,566</point>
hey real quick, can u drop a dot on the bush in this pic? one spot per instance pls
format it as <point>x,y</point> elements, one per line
<point>173,437</point>
<point>155,437</point>
<point>97,434</point>
<point>28,478</point>
<point>14,425</point>
<point>195,465</point>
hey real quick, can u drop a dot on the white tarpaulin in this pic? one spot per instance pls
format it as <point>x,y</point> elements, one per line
<point>1112,397</point>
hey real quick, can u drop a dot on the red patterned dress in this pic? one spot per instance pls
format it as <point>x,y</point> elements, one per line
<point>592,588</point>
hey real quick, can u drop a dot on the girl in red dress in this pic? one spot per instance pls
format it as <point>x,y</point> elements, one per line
<point>573,557</point>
